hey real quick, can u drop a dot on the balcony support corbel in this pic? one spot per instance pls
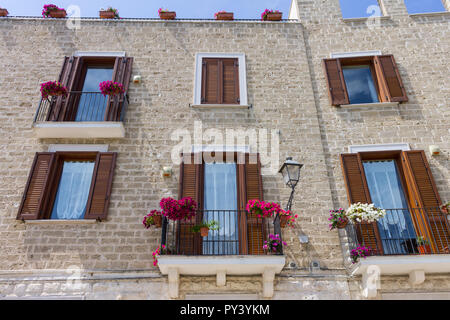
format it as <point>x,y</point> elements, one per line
<point>268,278</point>
<point>174,282</point>
<point>416,277</point>
<point>221,278</point>
<point>370,281</point>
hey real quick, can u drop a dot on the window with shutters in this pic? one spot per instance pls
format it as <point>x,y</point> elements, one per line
<point>363,80</point>
<point>400,182</point>
<point>220,80</point>
<point>68,186</point>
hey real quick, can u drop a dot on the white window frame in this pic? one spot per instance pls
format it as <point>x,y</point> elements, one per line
<point>99,54</point>
<point>378,147</point>
<point>78,147</point>
<point>242,75</point>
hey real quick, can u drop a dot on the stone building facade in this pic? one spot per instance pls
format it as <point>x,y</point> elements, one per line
<point>287,105</point>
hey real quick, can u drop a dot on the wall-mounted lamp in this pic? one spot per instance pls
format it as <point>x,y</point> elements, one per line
<point>435,150</point>
<point>137,79</point>
<point>167,172</point>
<point>291,175</point>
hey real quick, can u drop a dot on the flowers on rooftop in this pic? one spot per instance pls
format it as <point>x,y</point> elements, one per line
<point>266,12</point>
<point>48,8</point>
<point>116,12</point>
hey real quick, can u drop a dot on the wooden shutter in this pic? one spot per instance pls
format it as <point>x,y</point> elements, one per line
<point>60,106</point>
<point>99,194</point>
<point>37,187</point>
<point>250,188</point>
<point>358,191</point>
<point>220,81</point>
<point>337,90</point>
<point>391,82</point>
<point>191,182</point>
<point>423,194</point>
<point>122,74</point>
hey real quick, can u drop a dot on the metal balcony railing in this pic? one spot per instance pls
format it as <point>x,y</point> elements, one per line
<point>82,106</point>
<point>239,233</point>
<point>409,231</point>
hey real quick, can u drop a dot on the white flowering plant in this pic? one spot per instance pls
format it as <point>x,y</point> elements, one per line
<point>364,212</point>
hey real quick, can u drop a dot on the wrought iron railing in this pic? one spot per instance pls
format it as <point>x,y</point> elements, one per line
<point>82,106</point>
<point>409,231</point>
<point>238,233</point>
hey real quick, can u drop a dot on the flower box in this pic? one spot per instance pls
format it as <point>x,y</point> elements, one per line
<point>167,15</point>
<point>284,220</point>
<point>3,12</point>
<point>61,13</point>
<point>274,16</point>
<point>224,16</point>
<point>107,14</point>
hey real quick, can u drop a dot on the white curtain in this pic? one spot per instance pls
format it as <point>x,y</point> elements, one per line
<point>220,195</point>
<point>73,190</point>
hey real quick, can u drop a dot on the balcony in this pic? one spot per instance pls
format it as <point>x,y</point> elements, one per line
<point>396,247</point>
<point>81,115</point>
<point>236,248</point>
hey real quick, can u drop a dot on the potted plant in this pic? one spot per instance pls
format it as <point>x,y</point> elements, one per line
<point>110,13</point>
<point>111,88</point>
<point>274,245</point>
<point>204,227</point>
<point>359,252</point>
<point>166,14</point>
<point>363,212</point>
<point>52,88</point>
<point>183,209</point>
<point>271,15</point>
<point>51,10</point>
<point>338,219</point>
<point>287,218</point>
<point>154,218</point>
<point>3,12</point>
<point>223,15</point>
<point>423,245</point>
<point>160,250</point>
<point>445,208</point>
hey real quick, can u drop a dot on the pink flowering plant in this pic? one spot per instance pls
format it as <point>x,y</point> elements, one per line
<point>291,217</point>
<point>159,251</point>
<point>266,12</point>
<point>52,88</point>
<point>110,88</point>
<point>359,252</point>
<point>264,209</point>
<point>337,217</point>
<point>116,12</point>
<point>274,244</point>
<point>183,209</point>
<point>217,13</point>
<point>149,220</point>
<point>48,8</point>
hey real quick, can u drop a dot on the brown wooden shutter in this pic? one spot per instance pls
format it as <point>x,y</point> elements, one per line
<point>337,90</point>
<point>99,194</point>
<point>37,187</point>
<point>423,193</point>
<point>220,81</point>
<point>68,77</point>
<point>191,185</point>
<point>250,188</point>
<point>122,74</point>
<point>389,76</point>
<point>358,191</point>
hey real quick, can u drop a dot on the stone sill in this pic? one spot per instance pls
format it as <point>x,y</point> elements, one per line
<point>60,222</point>
<point>368,105</point>
<point>221,106</point>
<point>363,19</point>
<point>69,129</point>
<point>430,14</point>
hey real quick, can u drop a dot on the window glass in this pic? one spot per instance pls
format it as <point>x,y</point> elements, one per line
<point>360,8</point>
<point>92,104</point>
<point>73,190</point>
<point>424,6</point>
<point>220,204</point>
<point>360,84</point>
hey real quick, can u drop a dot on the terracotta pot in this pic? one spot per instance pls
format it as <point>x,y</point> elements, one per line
<point>425,249</point>
<point>107,14</point>
<point>58,13</point>
<point>169,15</point>
<point>283,221</point>
<point>343,224</point>
<point>444,210</point>
<point>274,16</point>
<point>204,231</point>
<point>158,221</point>
<point>3,12</point>
<point>225,16</point>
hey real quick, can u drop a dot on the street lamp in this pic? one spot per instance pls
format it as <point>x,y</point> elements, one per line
<point>291,175</point>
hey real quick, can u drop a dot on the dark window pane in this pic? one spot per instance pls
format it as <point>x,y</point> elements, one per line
<point>360,8</point>
<point>423,6</point>
<point>360,85</point>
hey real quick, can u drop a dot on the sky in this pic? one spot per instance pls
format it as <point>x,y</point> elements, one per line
<point>243,9</point>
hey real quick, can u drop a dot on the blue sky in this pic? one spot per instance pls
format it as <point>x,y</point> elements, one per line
<point>243,9</point>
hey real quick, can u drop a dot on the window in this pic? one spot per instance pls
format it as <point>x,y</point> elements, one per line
<point>68,185</point>
<point>421,6</point>
<point>360,8</point>
<point>82,76</point>
<point>400,182</point>
<point>367,79</point>
<point>220,79</point>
